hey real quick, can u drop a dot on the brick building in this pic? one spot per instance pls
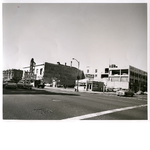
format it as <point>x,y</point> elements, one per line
<point>55,74</point>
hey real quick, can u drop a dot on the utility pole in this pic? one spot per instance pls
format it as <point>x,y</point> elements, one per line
<point>78,74</point>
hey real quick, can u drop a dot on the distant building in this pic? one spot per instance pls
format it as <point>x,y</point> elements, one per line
<point>125,78</point>
<point>89,85</point>
<point>55,74</point>
<point>12,74</point>
<point>92,74</point>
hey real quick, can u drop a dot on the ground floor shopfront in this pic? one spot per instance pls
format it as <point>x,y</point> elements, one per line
<point>89,85</point>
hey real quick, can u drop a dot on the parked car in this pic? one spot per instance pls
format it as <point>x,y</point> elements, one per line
<point>48,84</point>
<point>20,84</point>
<point>116,89</point>
<point>80,88</point>
<point>140,93</point>
<point>59,86</point>
<point>124,93</point>
<point>10,84</point>
<point>4,84</point>
<point>39,84</point>
<point>109,89</point>
<point>28,85</point>
<point>24,84</point>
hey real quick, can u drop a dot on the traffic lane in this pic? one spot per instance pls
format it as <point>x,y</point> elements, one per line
<point>103,104</point>
<point>131,114</point>
<point>33,107</point>
<point>112,100</point>
<point>57,106</point>
<point>88,104</point>
<point>45,107</point>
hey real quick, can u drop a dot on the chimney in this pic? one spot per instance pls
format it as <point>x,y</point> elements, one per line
<point>65,64</point>
<point>58,63</point>
<point>71,64</point>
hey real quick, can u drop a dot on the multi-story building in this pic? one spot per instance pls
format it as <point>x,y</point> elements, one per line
<point>12,74</point>
<point>92,74</point>
<point>125,78</point>
<point>55,74</point>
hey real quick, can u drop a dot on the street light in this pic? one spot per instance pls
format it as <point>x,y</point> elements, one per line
<point>78,72</point>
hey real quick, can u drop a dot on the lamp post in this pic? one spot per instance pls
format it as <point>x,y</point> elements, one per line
<point>78,72</point>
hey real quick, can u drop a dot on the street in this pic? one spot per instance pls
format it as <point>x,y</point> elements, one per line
<point>57,104</point>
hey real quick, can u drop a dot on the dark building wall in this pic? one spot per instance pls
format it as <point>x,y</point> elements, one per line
<point>12,74</point>
<point>64,75</point>
<point>97,86</point>
<point>138,79</point>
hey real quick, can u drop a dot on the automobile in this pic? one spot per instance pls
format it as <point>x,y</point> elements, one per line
<point>20,84</point>
<point>116,89</point>
<point>80,88</point>
<point>10,84</point>
<point>140,93</point>
<point>124,93</point>
<point>48,85</point>
<point>39,84</point>
<point>24,84</point>
<point>145,93</point>
<point>28,85</point>
<point>59,86</point>
<point>109,89</point>
<point>4,84</point>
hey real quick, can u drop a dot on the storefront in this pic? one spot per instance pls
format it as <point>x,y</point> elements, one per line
<point>89,85</point>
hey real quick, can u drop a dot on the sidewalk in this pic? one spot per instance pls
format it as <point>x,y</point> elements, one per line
<point>72,90</point>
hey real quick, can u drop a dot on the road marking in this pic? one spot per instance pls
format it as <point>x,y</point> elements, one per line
<point>104,113</point>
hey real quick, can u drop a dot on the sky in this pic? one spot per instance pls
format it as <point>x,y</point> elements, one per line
<point>95,34</point>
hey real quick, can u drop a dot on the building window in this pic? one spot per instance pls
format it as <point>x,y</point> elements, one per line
<point>41,71</point>
<point>115,72</point>
<point>88,71</point>
<point>36,71</point>
<point>95,75</point>
<point>106,70</point>
<point>95,70</point>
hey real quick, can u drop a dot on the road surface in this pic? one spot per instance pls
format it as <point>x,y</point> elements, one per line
<point>56,104</point>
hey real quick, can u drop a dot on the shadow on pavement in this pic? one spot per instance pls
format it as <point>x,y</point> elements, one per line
<point>34,91</point>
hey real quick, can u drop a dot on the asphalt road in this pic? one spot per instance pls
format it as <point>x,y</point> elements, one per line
<point>57,104</point>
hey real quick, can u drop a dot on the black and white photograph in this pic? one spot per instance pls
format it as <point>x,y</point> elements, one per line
<point>69,62</point>
<point>75,61</point>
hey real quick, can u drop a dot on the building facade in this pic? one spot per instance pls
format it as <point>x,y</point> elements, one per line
<point>55,74</point>
<point>125,78</point>
<point>12,74</point>
<point>92,73</point>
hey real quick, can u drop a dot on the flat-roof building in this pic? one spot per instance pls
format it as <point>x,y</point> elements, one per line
<point>125,78</point>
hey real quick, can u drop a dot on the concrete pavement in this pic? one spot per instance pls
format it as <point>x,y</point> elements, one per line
<point>138,97</point>
<point>72,90</point>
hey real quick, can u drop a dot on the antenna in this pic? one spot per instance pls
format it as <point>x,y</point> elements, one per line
<point>109,62</point>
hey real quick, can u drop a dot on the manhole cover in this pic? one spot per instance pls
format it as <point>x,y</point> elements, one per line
<point>43,110</point>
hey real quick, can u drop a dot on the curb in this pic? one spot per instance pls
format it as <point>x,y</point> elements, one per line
<point>72,90</point>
